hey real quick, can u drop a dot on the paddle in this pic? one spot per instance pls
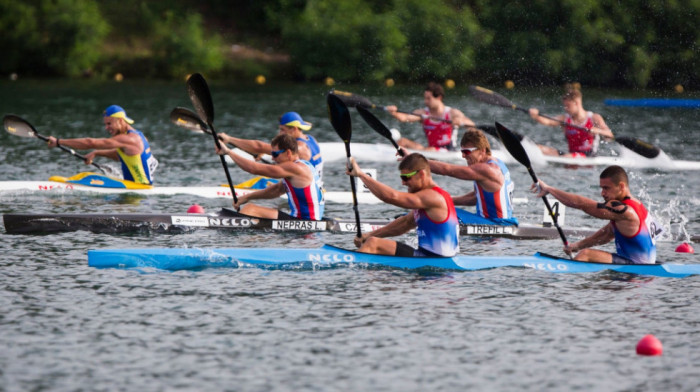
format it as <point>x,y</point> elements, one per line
<point>357,101</point>
<point>644,149</point>
<point>340,119</point>
<point>378,126</point>
<point>198,90</point>
<point>515,148</point>
<point>18,126</point>
<point>185,118</point>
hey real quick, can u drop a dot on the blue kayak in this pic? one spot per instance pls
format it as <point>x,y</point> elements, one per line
<point>327,255</point>
<point>655,103</point>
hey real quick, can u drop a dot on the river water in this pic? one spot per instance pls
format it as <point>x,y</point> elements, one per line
<point>66,327</point>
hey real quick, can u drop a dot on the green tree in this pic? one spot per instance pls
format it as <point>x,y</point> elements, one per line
<point>72,32</point>
<point>442,39</point>
<point>180,46</point>
<point>19,35</point>
<point>343,39</point>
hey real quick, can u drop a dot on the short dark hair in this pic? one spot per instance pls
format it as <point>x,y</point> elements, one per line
<point>616,174</point>
<point>477,138</point>
<point>435,89</point>
<point>414,161</point>
<point>285,142</point>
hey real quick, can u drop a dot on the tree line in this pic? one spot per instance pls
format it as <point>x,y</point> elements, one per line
<point>621,43</point>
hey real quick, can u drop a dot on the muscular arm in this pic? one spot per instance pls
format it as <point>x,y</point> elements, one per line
<point>600,237</point>
<point>397,227</point>
<point>555,122</point>
<point>465,200</point>
<point>130,143</point>
<point>417,114</point>
<point>271,192</point>
<point>247,145</point>
<point>600,127</point>
<point>487,175</point>
<point>460,119</point>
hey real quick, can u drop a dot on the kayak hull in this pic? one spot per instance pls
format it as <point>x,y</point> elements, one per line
<point>327,256</point>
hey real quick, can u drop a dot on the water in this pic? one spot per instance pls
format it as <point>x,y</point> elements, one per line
<point>67,327</point>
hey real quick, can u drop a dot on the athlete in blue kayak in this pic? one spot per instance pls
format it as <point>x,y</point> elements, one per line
<point>299,180</point>
<point>292,124</point>
<point>631,226</point>
<point>493,188</point>
<point>125,144</point>
<point>433,215</point>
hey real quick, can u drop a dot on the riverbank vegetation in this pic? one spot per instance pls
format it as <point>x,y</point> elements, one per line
<point>597,42</point>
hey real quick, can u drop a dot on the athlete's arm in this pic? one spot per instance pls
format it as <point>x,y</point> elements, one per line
<point>247,145</point>
<point>600,127</point>
<point>600,237</point>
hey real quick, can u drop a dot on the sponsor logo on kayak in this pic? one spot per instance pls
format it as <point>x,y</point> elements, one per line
<point>199,221</point>
<point>232,222</point>
<point>298,225</point>
<point>331,257</point>
<point>552,267</point>
<point>488,229</point>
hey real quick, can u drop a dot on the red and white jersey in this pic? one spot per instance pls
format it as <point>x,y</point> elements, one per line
<point>579,140</point>
<point>307,202</point>
<point>438,133</point>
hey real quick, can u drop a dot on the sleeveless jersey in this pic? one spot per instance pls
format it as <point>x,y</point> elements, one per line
<point>438,133</point>
<point>315,158</point>
<point>579,140</point>
<point>641,247</point>
<point>307,202</point>
<point>138,168</point>
<point>441,238</point>
<point>495,205</point>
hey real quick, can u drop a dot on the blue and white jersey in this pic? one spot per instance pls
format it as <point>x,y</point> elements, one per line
<point>641,247</point>
<point>496,205</point>
<point>441,238</point>
<point>307,202</point>
<point>315,157</point>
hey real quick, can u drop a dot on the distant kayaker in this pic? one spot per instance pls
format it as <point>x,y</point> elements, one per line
<point>125,144</point>
<point>299,181</point>
<point>493,188</point>
<point>631,226</point>
<point>581,143</point>
<point>439,121</point>
<point>433,216</point>
<point>290,123</point>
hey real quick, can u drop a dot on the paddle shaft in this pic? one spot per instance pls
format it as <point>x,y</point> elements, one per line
<point>549,209</point>
<point>199,93</point>
<point>185,118</point>
<point>340,120</point>
<point>19,122</point>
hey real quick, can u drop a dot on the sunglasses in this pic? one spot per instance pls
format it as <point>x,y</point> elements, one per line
<point>277,153</point>
<point>407,176</point>
<point>468,150</point>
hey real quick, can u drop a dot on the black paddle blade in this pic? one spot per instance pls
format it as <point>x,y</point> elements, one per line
<point>490,97</point>
<point>340,117</point>
<point>513,145</point>
<point>198,90</point>
<point>640,147</point>
<point>353,100</point>
<point>186,118</point>
<point>379,127</point>
<point>18,126</point>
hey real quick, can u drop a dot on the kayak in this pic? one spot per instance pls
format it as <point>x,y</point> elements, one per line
<point>368,152</point>
<point>655,103</point>
<point>226,219</point>
<point>328,256</point>
<point>229,219</point>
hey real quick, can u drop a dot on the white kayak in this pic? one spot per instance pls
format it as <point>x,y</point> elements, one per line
<point>382,152</point>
